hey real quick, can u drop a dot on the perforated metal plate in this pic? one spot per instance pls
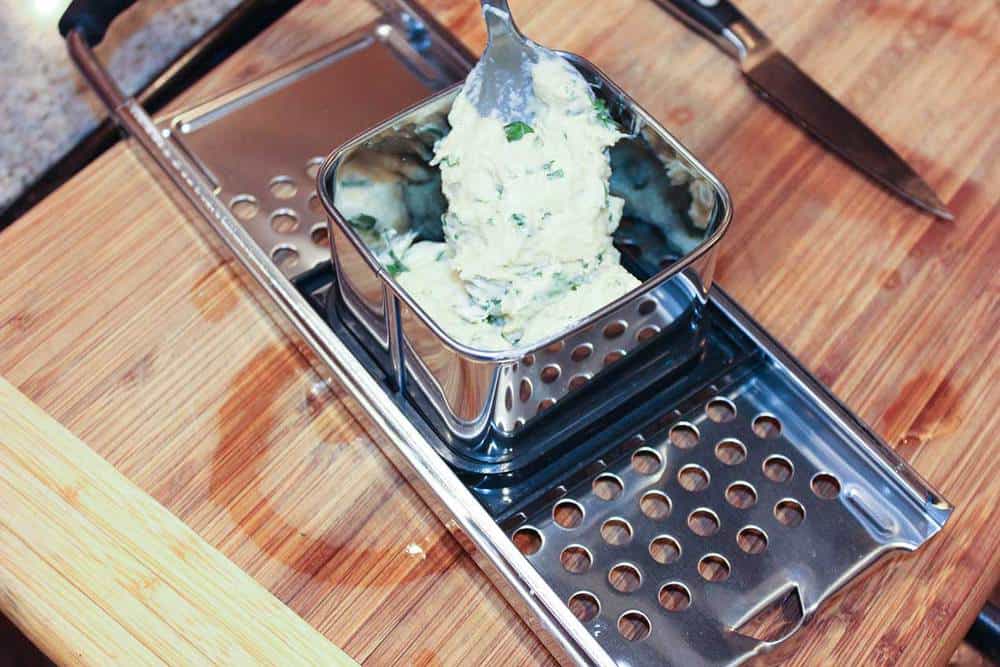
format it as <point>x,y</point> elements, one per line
<point>262,144</point>
<point>710,513</point>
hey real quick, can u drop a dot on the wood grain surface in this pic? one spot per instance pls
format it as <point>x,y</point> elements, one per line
<point>100,569</point>
<point>118,320</point>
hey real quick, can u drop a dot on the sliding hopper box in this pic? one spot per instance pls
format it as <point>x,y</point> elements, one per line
<point>675,213</point>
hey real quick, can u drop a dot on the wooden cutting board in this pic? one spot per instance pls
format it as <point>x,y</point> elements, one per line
<point>117,319</point>
<point>101,574</point>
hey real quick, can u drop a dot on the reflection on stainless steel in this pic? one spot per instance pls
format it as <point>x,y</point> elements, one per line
<point>471,396</point>
<point>864,502</point>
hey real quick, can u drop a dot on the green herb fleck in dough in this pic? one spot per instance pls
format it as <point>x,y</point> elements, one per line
<point>603,115</point>
<point>552,173</point>
<point>363,221</point>
<point>354,183</point>
<point>396,266</point>
<point>516,130</point>
<point>518,219</point>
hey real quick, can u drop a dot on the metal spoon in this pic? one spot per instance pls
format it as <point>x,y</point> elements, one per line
<point>500,85</point>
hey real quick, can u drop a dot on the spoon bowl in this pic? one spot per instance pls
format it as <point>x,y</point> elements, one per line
<point>500,85</point>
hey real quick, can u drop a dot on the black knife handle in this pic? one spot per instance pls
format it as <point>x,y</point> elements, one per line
<point>91,18</point>
<point>712,18</point>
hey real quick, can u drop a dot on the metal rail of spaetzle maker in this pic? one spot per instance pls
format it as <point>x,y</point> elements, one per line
<point>644,528</point>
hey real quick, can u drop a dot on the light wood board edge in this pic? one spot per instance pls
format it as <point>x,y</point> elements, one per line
<point>94,571</point>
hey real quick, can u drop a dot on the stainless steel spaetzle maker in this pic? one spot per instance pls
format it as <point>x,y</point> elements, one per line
<point>655,512</point>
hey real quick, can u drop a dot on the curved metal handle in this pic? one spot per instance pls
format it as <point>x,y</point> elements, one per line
<point>91,18</point>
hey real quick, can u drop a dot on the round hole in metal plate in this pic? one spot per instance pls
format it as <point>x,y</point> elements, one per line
<point>615,329</point>
<point>528,359</point>
<point>646,461</point>
<point>789,512</point>
<point>545,404</point>
<point>508,398</point>
<point>519,423</point>
<point>731,451</point>
<point>524,390</point>
<point>556,347</point>
<point>568,514</point>
<point>581,352</point>
<point>674,596</point>
<point>550,373</point>
<point>283,187</point>
<point>286,257</point>
<point>693,478</point>
<point>648,332</point>
<point>684,435</point>
<point>766,426</point>
<point>578,381</point>
<point>320,235</point>
<point>585,606</point>
<point>664,549</point>
<point>608,486</point>
<point>576,559</point>
<point>741,495</point>
<point>720,410</point>
<point>284,221</point>
<point>825,485</point>
<point>312,166</point>
<point>778,469</point>
<point>647,307</point>
<point>714,567</point>
<point>244,207</point>
<point>528,540</point>
<point>752,540</point>
<point>655,505</point>
<point>616,531</point>
<point>625,578</point>
<point>614,357</point>
<point>634,626</point>
<point>703,522</point>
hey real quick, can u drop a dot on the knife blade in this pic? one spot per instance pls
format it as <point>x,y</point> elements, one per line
<point>780,82</point>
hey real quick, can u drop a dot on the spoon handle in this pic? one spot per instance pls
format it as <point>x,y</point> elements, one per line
<point>499,20</point>
<point>500,5</point>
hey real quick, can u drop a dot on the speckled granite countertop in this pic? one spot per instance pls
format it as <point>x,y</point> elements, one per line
<point>45,107</point>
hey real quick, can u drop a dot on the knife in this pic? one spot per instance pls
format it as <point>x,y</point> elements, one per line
<point>780,82</point>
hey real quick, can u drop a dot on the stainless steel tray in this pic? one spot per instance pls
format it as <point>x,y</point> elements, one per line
<point>850,498</point>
